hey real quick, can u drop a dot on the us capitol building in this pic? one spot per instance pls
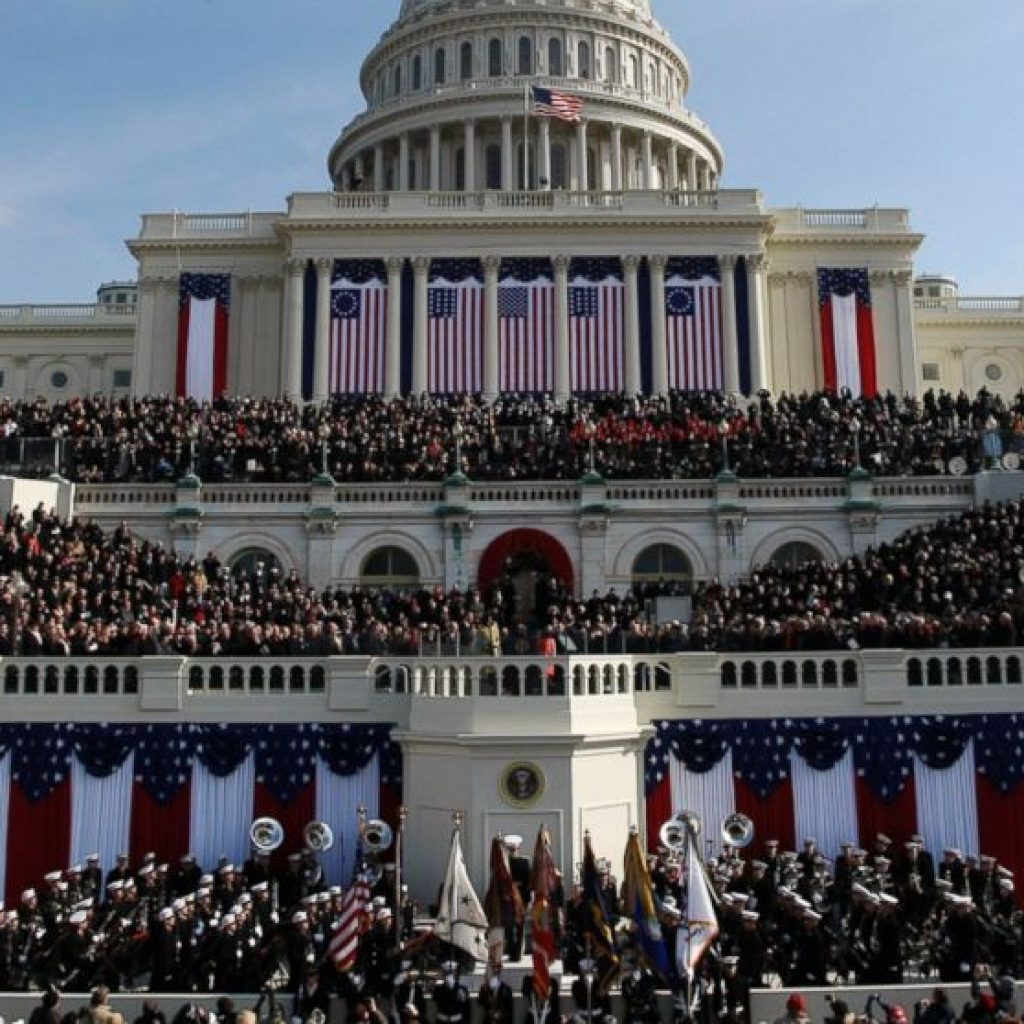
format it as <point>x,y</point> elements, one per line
<point>446,178</point>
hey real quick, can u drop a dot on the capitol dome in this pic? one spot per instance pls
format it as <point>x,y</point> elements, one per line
<point>446,91</point>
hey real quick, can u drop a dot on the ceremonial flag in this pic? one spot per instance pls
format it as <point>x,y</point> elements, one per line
<point>204,305</point>
<point>693,319</point>
<point>460,918</point>
<point>596,922</point>
<point>455,313</point>
<point>847,330</point>
<point>526,334</point>
<point>352,924</point>
<point>596,325</point>
<point>502,902</point>
<point>359,311</point>
<point>700,928</point>
<point>639,904</point>
<point>553,103</point>
<point>543,880</point>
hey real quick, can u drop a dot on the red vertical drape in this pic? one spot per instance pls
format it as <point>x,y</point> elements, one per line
<point>294,815</point>
<point>220,351</point>
<point>896,819</point>
<point>38,837</point>
<point>659,810</point>
<point>866,350</point>
<point>181,370</point>
<point>773,817</point>
<point>828,346</point>
<point>1001,826</point>
<point>162,829</point>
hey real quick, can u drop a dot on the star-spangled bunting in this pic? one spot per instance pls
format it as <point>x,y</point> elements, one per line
<point>883,748</point>
<point>844,281</point>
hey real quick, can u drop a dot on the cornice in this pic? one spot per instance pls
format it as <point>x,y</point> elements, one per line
<point>71,329</point>
<point>865,239</point>
<point>232,243</point>
<point>967,321</point>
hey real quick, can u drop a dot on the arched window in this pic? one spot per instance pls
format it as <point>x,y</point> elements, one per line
<point>525,56</point>
<point>662,563</point>
<point>417,72</point>
<point>583,59</point>
<point>389,567</point>
<point>494,58</point>
<point>555,57</point>
<point>559,177</point>
<point>633,78</point>
<point>492,166</point>
<point>396,84</point>
<point>611,65</point>
<point>254,561</point>
<point>466,61</point>
<point>795,554</point>
<point>439,68</point>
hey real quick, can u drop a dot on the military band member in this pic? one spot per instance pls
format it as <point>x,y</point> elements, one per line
<point>451,998</point>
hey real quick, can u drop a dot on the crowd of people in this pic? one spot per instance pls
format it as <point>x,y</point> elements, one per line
<point>370,439</point>
<point>67,588</point>
<point>789,919</point>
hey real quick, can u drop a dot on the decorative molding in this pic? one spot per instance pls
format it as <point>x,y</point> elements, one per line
<point>395,264</point>
<point>296,266</point>
<point>324,266</point>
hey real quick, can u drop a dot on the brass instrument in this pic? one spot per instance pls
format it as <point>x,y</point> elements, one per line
<point>737,830</point>
<point>377,836</point>
<point>674,832</point>
<point>318,836</point>
<point>266,834</point>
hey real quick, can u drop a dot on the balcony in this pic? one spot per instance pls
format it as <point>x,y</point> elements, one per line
<point>970,306</point>
<point>68,315</point>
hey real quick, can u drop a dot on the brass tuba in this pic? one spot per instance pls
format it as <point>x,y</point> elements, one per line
<point>737,830</point>
<point>317,835</point>
<point>266,834</point>
<point>377,836</point>
<point>673,833</point>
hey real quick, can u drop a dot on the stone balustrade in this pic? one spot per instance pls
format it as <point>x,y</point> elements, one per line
<point>977,304</point>
<point>66,314</point>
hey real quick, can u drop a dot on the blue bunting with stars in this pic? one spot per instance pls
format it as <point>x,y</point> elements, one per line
<point>286,755</point>
<point>883,747</point>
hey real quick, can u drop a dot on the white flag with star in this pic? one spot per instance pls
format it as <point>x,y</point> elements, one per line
<point>460,917</point>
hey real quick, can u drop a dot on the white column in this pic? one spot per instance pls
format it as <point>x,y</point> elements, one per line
<point>491,375</point>
<point>659,341</point>
<point>616,158</point>
<point>648,158</point>
<point>756,305</point>
<point>705,177</point>
<point>910,373</point>
<point>359,172</point>
<point>420,267</point>
<point>562,378</point>
<point>731,343</point>
<point>545,152</point>
<point>469,147</point>
<point>378,167</point>
<point>321,363</point>
<point>393,340</point>
<point>583,183</point>
<point>435,158</point>
<point>403,162</point>
<point>507,177</point>
<point>97,362</point>
<point>691,172</point>
<point>631,355</point>
<point>673,166</point>
<point>293,330</point>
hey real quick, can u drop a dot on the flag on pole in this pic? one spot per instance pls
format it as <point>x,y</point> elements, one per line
<point>344,945</point>
<point>639,904</point>
<point>455,336</point>
<point>502,902</point>
<point>847,330</point>
<point>693,322</point>
<point>204,309</point>
<point>526,327</point>
<point>700,927</point>
<point>597,325</point>
<point>543,880</point>
<point>359,310</point>
<point>596,922</point>
<point>553,103</point>
<point>460,918</point>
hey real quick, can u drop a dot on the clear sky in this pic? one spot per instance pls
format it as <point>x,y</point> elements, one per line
<point>116,107</point>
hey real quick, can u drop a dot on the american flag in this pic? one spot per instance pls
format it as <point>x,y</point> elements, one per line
<point>204,313</point>
<point>359,313</point>
<point>553,103</point>
<point>344,946</point>
<point>693,318</point>
<point>596,327</point>
<point>526,332</point>
<point>847,330</point>
<point>455,311</point>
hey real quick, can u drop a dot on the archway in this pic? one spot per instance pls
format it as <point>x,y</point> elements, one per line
<point>522,556</point>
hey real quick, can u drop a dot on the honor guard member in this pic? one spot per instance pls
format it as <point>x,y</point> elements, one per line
<point>519,868</point>
<point>497,1004</point>
<point>300,952</point>
<point>187,877</point>
<point>451,998</point>
<point>376,953</point>
<point>590,1002</point>
<point>640,996</point>
<point>165,954</point>
<point>552,1012</point>
<point>735,992</point>
<point>92,877</point>
<point>311,995</point>
<point>120,872</point>
<point>408,990</point>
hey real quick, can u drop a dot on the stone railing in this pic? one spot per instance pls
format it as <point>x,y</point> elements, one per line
<point>169,226</point>
<point>972,304</point>
<point>654,685</point>
<point>68,313</point>
<point>873,220</point>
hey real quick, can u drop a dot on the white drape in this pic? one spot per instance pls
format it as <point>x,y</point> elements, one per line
<point>844,331</point>
<point>221,813</point>
<point>101,812</point>
<point>825,803</point>
<point>711,795</point>
<point>337,798</point>
<point>5,804</point>
<point>202,320</point>
<point>947,804</point>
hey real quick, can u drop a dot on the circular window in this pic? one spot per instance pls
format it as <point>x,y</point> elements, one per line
<point>58,380</point>
<point>794,554</point>
<point>994,371</point>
